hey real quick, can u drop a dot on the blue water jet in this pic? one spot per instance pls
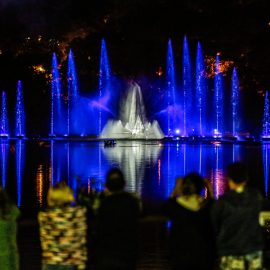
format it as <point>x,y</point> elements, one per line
<point>200,91</point>
<point>57,112</point>
<point>187,89</point>
<point>4,116</point>
<point>20,113</point>
<point>219,104</point>
<point>104,82</point>
<point>266,117</point>
<point>72,125</point>
<point>20,157</point>
<point>170,87</point>
<point>235,102</point>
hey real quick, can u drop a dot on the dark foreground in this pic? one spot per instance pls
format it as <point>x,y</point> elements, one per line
<point>154,249</point>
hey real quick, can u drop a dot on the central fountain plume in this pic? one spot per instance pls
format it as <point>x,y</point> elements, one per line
<point>132,122</point>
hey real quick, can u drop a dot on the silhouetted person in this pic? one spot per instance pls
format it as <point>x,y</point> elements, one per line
<point>118,217</point>
<point>9,258</point>
<point>191,233</point>
<point>236,220</point>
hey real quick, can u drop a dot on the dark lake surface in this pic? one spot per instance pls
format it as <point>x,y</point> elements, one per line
<point>28,168</point>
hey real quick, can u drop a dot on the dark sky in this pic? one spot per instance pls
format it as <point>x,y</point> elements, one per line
<point>136,32</point>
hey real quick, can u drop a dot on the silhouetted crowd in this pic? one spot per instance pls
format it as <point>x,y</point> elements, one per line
<point>101,230</point>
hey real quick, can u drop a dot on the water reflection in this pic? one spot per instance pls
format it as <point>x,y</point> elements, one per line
<point>40,176</point>
<point>266,166</point>
<point>217,174</point>
<point>4,159</point>
<point>150,168</point>
<point>133,159</point>
<point>20,158</point>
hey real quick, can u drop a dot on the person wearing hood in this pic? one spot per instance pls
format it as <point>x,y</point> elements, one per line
<point>191,232</point>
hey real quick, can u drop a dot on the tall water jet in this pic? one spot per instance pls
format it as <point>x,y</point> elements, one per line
<point>171,86</point>
<point>20,152</point>
<point>200,91</point>
<point>72,95</point>
<point>187,88</point>
<point>57,119</point>
<point>132,122</point>
<point>20,113</point>
<point>4,117</point>
<point>104,80</point>
<point>218,99</point>
<point>266,117</point>
<point>235,102</point>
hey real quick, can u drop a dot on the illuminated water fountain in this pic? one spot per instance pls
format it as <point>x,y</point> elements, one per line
<point>171,88</point>
<point>219,102</point>
<point>200,92</point>
<point>4,130</point>
<point>73,126</point>
<point>132,122</point>
<point>266,118</point>
<point>58,125</point>
<point>20,114</point>
<point>235,103</point>
<point>105,84</point>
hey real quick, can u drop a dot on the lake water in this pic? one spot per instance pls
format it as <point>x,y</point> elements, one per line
<point>28,168</point>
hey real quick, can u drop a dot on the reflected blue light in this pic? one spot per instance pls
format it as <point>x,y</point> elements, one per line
<point>266,166</point>
<point>218,180</point>
<point>20,158</point>
<point>4,160</point>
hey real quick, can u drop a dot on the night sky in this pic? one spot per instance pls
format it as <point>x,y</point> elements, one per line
<point>136,32</point>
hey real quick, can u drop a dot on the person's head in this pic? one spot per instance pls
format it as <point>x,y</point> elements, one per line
<point>61,184</point>
<point>237,175</point>
<point>193,183</point>
<point>115,180</point>
<point>5,204</point>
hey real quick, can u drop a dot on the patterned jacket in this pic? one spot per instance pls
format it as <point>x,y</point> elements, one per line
<point>63,236</point>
